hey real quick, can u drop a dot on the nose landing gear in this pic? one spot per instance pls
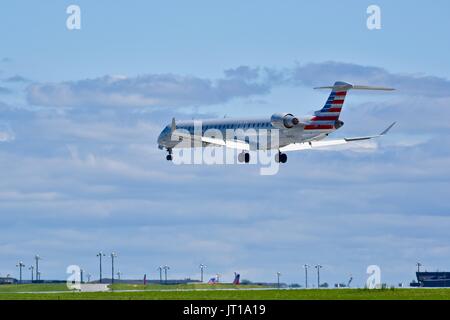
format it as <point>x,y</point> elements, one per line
<point>281,157</point>
<point>169,156</point>
<point>244,157</point>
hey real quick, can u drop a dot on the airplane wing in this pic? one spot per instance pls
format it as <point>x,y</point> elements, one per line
<point>327,143</point>
<point>242,145</point>
<point>232,144</point>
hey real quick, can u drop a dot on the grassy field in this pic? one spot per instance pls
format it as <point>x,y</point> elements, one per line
<point>42,287</point>
<point>190,286</point>
<point>47,287</point>
<point>7,292</point>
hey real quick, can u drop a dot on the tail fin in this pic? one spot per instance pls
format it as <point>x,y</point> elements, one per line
<point>237,278</point>
<point>332,108</point>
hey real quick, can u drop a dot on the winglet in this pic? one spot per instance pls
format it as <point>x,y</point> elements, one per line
<point>387,129</point>
<point>371,137</point>
<point>173,126</point>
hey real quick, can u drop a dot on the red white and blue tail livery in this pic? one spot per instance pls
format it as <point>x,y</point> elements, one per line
<point>333,107</point>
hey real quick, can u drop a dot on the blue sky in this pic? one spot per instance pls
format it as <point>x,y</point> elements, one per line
<point>80,112</point>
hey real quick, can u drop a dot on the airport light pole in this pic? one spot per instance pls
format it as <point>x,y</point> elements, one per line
<point>418,264</point>
<point>278,279</point>
<point>100,255</point>
<point>20,265</point>
<point>118,274</point>
<point>166,267</point>
<point>89,277</point>
<point>81,275</point>
<point>202,266</point>
<point>32,272</point>
<point>37,258</point>
<point>113,255</point>
<point>306,266</point>
<point>318,266</point>
<point>160,268</point>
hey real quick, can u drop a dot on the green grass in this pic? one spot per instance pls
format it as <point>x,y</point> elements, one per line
<point>190,286</point>
<point>42,287</point>
<point>273,294</point>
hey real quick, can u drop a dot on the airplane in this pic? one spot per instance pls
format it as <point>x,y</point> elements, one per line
<point>295,133</point>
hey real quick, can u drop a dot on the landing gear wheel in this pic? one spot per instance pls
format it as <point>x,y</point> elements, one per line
<point>244,157</point>
<point>169,156</point>
<point>281,157</point>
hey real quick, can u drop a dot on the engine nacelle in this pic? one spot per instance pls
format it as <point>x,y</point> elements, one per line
<point>284,120</point>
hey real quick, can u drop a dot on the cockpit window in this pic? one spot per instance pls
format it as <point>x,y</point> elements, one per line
<point>166,129</point>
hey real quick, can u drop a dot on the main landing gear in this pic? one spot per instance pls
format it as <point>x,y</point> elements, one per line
<point>281,157</point>
<point>244,157</point>
<point>169,156</point>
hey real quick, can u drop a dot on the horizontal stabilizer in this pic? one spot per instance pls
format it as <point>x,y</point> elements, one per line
<point>340,85</point>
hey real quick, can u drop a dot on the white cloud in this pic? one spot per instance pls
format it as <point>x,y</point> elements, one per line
<point>6,133</point>
<point>170,90</point>
<point>325,73</point>
<point>145,91</point>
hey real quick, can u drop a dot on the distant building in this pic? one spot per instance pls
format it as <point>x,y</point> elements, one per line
<point>432,279</point>
<point>340,285</point>
<point>8,280</point>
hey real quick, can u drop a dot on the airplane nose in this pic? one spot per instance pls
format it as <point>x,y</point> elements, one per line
<point>160,138</point>
<point>163,138</point>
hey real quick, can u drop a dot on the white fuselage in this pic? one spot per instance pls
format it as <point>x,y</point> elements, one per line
<point>304,132</point>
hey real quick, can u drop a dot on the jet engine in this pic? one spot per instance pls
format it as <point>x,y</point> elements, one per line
<point>284,120</point>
